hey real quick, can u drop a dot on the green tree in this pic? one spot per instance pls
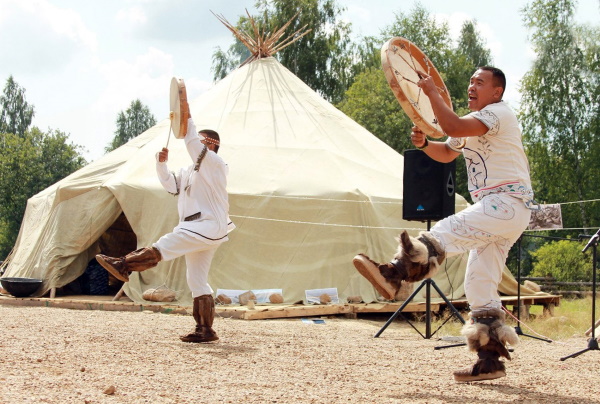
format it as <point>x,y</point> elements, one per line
<point>469,54</point>
<point>15,113</point>
<point>322,58</point>
<point>134,121</point>
<point>562,260</point>
<point>422,29</point>
<point>560,109</point>
<point>29,164</point>
<point>225,62</point>
<point>366,54</point>
<point>370,101</point>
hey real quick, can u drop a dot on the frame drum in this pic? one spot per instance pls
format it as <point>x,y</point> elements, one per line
<point>400,60</point>
<point>179,107</point>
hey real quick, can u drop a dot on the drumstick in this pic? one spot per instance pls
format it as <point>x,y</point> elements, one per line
<point>168,137</point>
<point>169,134</point>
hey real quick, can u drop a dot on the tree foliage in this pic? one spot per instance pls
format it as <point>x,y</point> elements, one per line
<point>371,103</point>
<point>15,113</point>
<point>322,58</point>
<point>134,121</point>
<point>469,53</point>
<point>560,110</point>
<point>562,260</point>
<point>29,164</point>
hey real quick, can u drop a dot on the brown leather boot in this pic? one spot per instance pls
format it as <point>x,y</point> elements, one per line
<point>138,260</point>
<point>487,335</point>
<point>417,258</point>
<point>204,315</point>
<point>488,365</point>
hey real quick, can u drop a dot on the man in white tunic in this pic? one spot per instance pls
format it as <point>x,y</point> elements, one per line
<point>203,225</point>
<point>499,183</point>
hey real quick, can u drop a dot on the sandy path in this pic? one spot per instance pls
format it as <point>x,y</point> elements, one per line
<point>51,355</point>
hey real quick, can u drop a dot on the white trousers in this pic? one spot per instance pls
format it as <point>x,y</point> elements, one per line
<point>198,257</point>
<point>487,229</point>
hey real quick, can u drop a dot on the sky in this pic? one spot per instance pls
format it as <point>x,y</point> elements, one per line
<point>83,62</point>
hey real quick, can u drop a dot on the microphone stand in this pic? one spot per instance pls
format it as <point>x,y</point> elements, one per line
<point>518,327</point>
<point>592,342</point>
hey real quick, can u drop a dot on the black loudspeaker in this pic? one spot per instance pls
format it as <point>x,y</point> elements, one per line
<point>429,187</point>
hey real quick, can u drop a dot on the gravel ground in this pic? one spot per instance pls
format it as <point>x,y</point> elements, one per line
<point>51,355</point>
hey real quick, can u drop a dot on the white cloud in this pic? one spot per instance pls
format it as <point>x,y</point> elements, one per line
<point>132,16</point>
<point>360,18</point>
<point>41,37</point>
<point>143,78</point>
<point>455,22</point>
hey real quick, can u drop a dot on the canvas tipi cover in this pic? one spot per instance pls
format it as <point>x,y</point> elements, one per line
<point>309,188</point>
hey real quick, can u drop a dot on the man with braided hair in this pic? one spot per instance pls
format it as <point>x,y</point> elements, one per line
<point>498,174</point>
<point>203,225</point>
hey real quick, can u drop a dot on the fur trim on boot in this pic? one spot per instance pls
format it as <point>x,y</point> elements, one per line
<point>417,258</point>
<point>487,335</point>
<point>138,260</point>
<point>204,315</point>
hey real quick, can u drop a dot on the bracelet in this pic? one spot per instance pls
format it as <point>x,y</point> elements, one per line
<point>424,145</point>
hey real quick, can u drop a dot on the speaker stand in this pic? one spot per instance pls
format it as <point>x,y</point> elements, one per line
<point>428,284</point>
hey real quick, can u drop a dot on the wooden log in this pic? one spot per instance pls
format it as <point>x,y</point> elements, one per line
<point>119,294</point>
<point>548,309</point>
<point>589,331</point>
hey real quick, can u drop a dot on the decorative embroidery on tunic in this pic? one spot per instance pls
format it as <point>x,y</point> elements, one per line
<point>515,189</point>
<point>496,207</point>
<point>476,168</point>
<point>456,143</point>
<point>489,119</point>
<point>466,233</point>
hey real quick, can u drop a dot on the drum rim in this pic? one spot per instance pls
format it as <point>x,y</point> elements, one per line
<point>178,127</point>
<point>413,113</point>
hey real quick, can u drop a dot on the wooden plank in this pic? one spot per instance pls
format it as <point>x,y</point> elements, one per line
<point>282,311</point>
<point>532,300</point>
<point>84,302</point>
<point>289,311</point>
<point>393,307</point>
<point>90,304</point>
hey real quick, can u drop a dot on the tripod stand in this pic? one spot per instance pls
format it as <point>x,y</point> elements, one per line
<point>518,327</point>
<point>592,342</point>
<point>428,283</point>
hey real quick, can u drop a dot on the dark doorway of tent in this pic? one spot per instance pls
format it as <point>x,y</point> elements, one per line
<point>117,241</point>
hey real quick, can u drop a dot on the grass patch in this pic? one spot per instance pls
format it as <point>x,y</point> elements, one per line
<point>571,319</point>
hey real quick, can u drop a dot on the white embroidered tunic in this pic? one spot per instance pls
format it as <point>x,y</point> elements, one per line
<point>496,161</point>
<point>201,192</point>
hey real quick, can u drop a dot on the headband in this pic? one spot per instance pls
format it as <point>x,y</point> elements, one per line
<point>210,140</point>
